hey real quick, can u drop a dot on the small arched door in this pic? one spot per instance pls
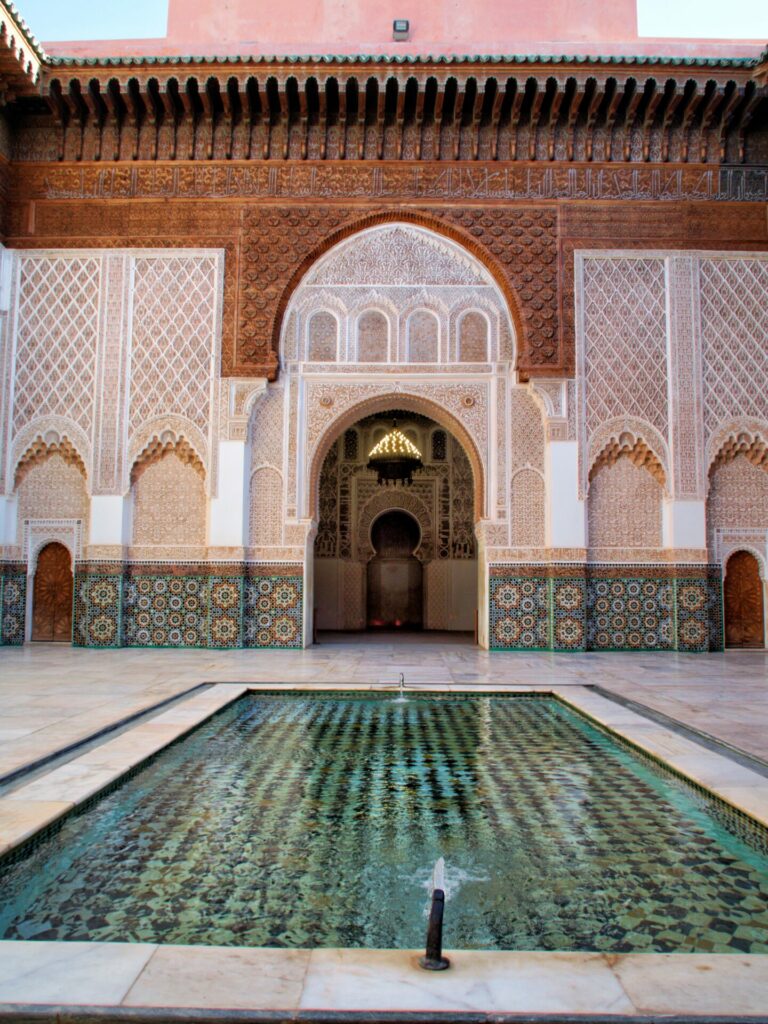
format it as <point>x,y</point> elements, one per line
<point>52,595</point>
<point>743,596</point>
<point>395,586</point>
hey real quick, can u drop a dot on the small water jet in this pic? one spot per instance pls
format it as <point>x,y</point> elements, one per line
<point>433,959</point>
<point>401,699</point>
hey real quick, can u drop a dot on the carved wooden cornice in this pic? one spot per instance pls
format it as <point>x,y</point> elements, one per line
<point>616,110</point>
<point>21,58</point>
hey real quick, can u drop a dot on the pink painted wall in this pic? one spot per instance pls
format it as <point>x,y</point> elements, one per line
<point>300,27</point>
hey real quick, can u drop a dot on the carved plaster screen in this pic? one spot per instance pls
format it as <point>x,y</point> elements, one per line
<point>113,347</point>
<point>671,355</point>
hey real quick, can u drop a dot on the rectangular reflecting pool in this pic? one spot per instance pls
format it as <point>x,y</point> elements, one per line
<point>315,821</point>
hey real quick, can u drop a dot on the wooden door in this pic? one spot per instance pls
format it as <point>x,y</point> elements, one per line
<point>743,602</point>
<point>52,598</point>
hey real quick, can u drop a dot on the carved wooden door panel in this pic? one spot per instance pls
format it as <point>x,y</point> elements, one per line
<point>743,602</point>
<point>52,598</point>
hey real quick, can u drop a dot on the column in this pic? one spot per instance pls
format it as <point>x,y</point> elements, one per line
<point>228,522</point>
<point>684,524</point>
<point>566,512</point>
<point>8,513</point>
<point>110,526</point>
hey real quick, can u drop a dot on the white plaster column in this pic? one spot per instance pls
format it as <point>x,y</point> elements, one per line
<point>229,509</point>
<point>483,585</point>
<point>566,512</point>
<point>308,609</point>
<point>684,524</point>
<point>8,515</point>
<point>110,524</point>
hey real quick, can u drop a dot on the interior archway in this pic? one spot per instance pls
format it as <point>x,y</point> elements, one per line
<point>743,600</point>
<point>52,595</point>
<point>364,578</point>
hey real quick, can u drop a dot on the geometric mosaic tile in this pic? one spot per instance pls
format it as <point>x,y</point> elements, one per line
<point>569,613</point>
<point>630,613</point>
<point>272,611</point>
<point>605,608</point>
<point>97,608</point>
<point>203,605</point>
<point>519,613</point>
<point>13,604</point>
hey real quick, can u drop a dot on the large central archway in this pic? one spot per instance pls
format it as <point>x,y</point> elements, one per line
<point>395,317</point>
<point>360,584</point>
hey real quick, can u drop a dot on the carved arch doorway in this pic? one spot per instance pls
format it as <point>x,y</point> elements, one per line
<point>355,580</point>
<point>743,599</point>
<point>52,594</point>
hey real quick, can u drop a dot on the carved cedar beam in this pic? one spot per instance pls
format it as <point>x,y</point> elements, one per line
<point>713,104</point>
<point>317,118</point>
<point>695,99</point>
<point>97,115</point>
<point>653,97</point>
<point>728,110</point>
<point>751,105</point>
<point>574,111</point>
<point>464,139</point>
<point>674,98</point>
<point>537,104</point>
<point>629,118</point>
<point>593,109</point>
<point>552,120</point>
<point>60,112</point>
<point>418,119</point>
<point>492,104</point>
<point>614,102</point>
<point>448,116</point>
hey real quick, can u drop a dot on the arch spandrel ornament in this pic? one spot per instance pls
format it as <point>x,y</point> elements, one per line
<point>395,267</point>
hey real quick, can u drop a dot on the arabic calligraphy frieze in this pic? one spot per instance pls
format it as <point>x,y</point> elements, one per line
<point>486,182</point>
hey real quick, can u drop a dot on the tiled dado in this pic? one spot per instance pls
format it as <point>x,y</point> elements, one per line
<point>13,602</point>
<point>606,607</point>
<point>214,605</point>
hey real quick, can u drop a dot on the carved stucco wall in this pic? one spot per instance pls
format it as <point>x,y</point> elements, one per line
<point>398,293</point>
<point>113,347</point>
<point>169,505</point>
<point>624,507</point>
<point>527,490</point>
<point>266,508</point>
<point>53,488</point>
<point>738,497</point>
<point>670,348</point>
<point>734,328</point>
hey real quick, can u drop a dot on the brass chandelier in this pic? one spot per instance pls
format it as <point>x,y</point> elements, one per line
<point>395,459</point>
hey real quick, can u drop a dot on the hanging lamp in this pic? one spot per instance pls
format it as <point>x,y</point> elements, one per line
<point>395,459</point>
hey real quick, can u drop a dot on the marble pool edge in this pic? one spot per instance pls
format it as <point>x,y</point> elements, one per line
<point>50,979</point>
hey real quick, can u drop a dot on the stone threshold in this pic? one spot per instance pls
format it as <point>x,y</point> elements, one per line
<point>110,981</point>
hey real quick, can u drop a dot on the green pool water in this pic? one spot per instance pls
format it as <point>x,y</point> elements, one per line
<point>315,821</point>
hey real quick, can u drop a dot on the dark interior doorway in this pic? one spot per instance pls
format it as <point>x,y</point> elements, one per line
<point>52,595</point>
<point>395,578</point>
<point>743,594</point>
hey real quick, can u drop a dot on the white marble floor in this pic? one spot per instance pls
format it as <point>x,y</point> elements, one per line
<point>52,696</point>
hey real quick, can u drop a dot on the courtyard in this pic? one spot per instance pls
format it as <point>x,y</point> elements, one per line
<point>73,720</point>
